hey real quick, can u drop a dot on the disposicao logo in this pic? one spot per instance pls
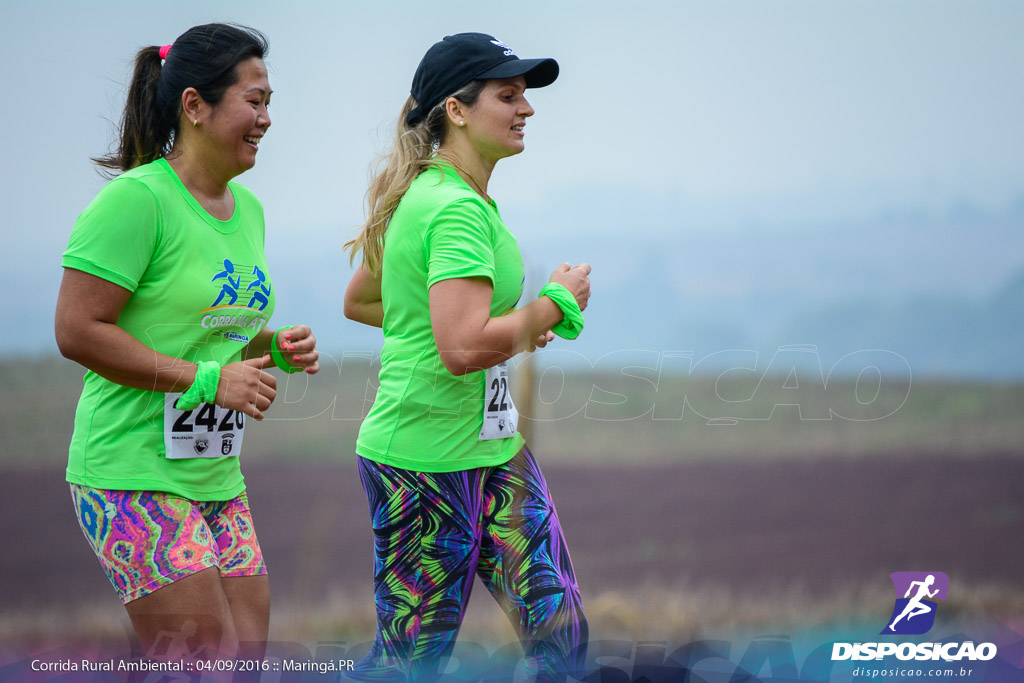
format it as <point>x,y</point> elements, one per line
<point>914,614</point>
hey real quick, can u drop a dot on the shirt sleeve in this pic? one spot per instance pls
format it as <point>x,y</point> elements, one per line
<point>459,243</point>
<point>117,234</point>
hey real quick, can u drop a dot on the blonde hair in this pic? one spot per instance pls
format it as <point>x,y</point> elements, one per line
<point>412,153</point>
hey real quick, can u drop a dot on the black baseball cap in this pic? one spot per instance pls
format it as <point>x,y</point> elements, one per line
<point>455,61</point>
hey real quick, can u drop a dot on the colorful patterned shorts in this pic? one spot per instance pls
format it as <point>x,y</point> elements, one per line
<point>146,540</point>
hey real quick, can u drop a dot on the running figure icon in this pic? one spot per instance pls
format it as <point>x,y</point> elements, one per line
<point>229,288</point>
<point>915,607</point>
<point>262,290</point>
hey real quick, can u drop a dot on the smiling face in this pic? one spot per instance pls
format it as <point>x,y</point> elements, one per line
<point>232,131</point>
<point>494,124</point>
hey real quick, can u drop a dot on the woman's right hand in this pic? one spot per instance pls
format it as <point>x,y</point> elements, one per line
<point>576,280</point>
<point>246,387</point>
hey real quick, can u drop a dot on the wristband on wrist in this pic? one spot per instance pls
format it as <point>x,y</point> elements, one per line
<point>278,357</point>
<point>572,322</point>
<point>204,387</point>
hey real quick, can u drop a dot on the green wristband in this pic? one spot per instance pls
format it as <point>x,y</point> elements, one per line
<point>278,357</point>
<point>572,322</point>
<point>203,389</point>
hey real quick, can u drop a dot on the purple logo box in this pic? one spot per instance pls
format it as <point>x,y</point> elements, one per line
<point>915,608</point>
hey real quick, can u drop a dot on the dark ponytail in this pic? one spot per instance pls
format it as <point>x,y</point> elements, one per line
<point>205,58</point>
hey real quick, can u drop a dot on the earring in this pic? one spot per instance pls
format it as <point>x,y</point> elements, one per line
<point>462,123</point>
<point>195,122</point>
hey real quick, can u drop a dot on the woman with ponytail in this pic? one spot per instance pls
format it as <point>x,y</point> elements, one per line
<point>453,490</point>
<point>166,301</point>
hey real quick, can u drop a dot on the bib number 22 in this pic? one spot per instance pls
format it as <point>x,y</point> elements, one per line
<point>500,415</point>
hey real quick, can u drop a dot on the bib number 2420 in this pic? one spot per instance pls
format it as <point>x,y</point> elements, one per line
<point>209,431</point>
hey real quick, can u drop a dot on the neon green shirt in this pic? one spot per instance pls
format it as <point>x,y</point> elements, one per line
<point>200,291</point>
<point>425,418</point>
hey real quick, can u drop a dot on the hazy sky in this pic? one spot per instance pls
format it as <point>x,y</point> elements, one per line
<point>704,115</point>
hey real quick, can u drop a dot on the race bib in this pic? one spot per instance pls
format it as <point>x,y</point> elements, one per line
<point>500,415</point>
<point>209,431</point>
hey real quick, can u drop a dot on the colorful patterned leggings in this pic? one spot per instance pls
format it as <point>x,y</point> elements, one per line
<point>433,531</point>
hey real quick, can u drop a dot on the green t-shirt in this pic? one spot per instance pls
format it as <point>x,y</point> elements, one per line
<point>424,418</point>
<point>200,291</point>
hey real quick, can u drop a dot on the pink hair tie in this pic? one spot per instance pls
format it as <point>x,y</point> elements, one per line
<point>164,50</point>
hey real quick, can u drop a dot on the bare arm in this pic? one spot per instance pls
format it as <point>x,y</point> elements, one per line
<point>363,301</point>
<point>468,339</point>
<point>86,329</point>
<point>259,345</point>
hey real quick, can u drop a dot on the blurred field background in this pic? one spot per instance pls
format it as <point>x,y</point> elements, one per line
<point>581,417</point>
<point>694,506</point>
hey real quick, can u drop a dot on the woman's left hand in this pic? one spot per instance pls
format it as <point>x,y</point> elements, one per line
<point>298,345</point>
<point>542,341</point>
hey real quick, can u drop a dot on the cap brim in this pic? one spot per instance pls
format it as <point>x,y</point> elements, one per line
<point>538,72</point>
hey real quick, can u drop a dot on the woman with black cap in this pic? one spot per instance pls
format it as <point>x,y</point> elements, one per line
<point>452,488</point>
